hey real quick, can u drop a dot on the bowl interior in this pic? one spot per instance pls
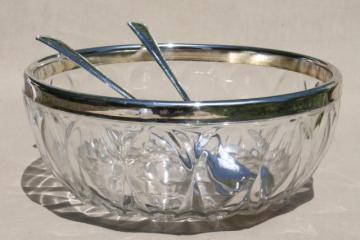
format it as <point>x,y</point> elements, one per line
<point>202,80</point>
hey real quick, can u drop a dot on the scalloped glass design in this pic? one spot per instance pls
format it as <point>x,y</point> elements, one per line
<point>172,172</point>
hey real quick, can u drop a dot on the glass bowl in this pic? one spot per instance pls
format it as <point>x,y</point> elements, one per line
<point>259,122</point>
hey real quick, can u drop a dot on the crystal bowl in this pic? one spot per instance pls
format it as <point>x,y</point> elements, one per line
<point>259,122</point>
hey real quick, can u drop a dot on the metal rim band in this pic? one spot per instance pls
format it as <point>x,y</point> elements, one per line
<point>178,111</point>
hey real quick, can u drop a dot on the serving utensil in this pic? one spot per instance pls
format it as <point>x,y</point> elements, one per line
<point>80,60</point>
<point>143,33</point>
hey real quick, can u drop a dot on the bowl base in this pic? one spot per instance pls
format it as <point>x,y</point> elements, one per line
<point>42,187</point>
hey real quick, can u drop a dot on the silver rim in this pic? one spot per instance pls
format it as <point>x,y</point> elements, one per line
<point>176,111</point>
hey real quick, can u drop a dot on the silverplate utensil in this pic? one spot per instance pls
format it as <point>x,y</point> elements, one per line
<point>80,60</point>
<point>143,33</point>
